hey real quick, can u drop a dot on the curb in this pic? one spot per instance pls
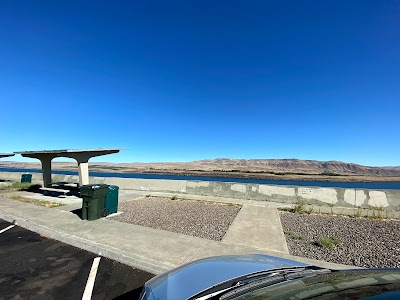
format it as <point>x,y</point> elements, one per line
<point>149,265</point>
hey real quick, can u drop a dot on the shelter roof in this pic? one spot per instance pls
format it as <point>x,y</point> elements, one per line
<point>70,151</point>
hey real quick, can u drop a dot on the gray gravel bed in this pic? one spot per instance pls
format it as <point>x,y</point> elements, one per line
<point>363,242</point>
<point>205,220</point>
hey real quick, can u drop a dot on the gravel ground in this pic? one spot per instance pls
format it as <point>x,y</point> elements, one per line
<point>202,219</point>
<point>363,242</point>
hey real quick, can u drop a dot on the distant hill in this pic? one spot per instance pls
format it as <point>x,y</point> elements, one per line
<point>295,166</point>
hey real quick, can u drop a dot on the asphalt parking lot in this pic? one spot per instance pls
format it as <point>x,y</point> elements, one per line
<point>36,267</point>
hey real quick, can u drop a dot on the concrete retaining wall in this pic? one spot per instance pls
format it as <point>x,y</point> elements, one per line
<point>389,199</point>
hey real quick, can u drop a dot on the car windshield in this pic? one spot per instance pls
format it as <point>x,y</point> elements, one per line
<point>360,284</point>
<point>257,280</point>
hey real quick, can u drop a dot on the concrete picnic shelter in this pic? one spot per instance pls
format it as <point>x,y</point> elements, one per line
<point>82,157</point>
<point>6,155</point>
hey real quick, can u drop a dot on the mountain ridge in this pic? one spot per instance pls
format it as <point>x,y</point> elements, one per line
<point>289,165</point>
<point>299,165</point>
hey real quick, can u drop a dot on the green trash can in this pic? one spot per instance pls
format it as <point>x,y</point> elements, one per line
<point>93,198</point>
<point>111,204</point>
<point>26,178</point>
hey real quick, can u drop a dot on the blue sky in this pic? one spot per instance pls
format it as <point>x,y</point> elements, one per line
<point>188,80</point>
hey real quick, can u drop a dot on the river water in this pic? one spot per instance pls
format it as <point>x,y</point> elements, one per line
<point>374,185</point>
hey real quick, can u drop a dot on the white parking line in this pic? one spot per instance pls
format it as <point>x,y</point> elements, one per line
<point>87,294</point>
<point>5,229</point>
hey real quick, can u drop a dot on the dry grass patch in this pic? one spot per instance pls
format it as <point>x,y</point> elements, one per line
<point>38,202</point>
<point>19,186</point>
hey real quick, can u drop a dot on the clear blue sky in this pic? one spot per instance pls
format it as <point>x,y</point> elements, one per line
<point>188,80</point>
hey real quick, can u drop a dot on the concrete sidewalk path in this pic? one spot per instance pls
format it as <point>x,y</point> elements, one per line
<point>257,226</point>
<point>148,249</point>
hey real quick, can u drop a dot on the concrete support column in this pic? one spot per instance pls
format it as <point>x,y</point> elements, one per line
<point>83,170</point>
<point>46,170</point>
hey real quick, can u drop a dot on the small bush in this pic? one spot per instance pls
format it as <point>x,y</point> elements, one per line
<point>300,207</point>
<point>377,215</point>
<point>174,198</point>
<point>328,242</point>
<point>357,213</point>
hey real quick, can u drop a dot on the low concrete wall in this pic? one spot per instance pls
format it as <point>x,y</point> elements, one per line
<point>292,194</point>
<point>16,176</point>
<point>389,199</point>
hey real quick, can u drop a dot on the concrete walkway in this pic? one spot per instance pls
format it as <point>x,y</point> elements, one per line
<point>259,227</point>
<point>152,250</point>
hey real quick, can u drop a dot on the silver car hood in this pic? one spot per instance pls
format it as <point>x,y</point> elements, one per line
<point>192,278</point>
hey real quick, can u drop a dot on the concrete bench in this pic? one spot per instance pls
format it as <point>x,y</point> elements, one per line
<point>71,185</point>
<point>66,185</point>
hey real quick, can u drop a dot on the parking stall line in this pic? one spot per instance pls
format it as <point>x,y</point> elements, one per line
<point>5,229</point>
<point>87,294</point>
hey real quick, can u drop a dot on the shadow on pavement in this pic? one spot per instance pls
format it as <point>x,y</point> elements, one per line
<point>134,294</point>
<point>77,212</point>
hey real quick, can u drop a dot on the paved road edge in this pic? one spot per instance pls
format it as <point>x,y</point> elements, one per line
<point>91,246</point>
